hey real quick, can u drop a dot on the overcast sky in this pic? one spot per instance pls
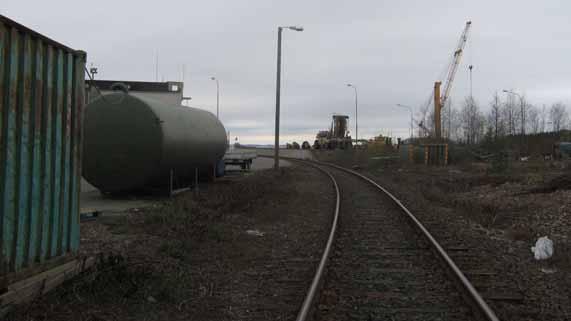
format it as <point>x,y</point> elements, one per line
<point>393,51</point>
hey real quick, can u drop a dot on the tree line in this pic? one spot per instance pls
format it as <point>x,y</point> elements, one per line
<point>509,117</point>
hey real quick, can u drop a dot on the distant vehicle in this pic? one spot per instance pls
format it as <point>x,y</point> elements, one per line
<point>321,139</point>
<point>243,159</point>
<point>336,137</point>
<point>305,145</point>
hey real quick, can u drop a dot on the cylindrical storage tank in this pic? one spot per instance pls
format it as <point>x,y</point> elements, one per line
<point>133,143</point>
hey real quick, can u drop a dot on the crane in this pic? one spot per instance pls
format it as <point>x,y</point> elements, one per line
<point>439,101</point>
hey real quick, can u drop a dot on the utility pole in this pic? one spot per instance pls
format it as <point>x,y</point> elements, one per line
<point>278,88</point>
<point>411,120</point>
<point>470,67</point>
<point>356,115</point>
<point>217,97</point>
<point>157,66</point>
<point>92,72</point>
<point>522,103</point>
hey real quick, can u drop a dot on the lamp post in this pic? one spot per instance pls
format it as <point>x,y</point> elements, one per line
<point>356,115</point>
<point>522,117</point>
<point>217,97</point>
<point>278,84</point>
<point>410,109</point>
<point>522,108</point>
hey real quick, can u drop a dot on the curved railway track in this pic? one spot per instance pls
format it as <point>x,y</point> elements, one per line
<point>381,263</point>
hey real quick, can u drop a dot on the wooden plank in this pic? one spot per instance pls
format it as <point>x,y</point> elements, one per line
<point>40,284</point>
<point>25,273</point>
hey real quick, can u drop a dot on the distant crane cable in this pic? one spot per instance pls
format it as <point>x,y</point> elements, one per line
<point>470,49</point>
<point>450,69</point>
<point>429,101</point>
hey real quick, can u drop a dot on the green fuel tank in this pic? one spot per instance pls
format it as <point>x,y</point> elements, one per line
<point>134,143</point>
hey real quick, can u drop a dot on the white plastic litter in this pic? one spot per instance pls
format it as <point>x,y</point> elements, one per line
<point>543,248</point>
<point>255,233</point>
<point>548,270</point>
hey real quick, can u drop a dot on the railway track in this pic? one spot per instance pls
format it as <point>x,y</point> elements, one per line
<point>381,263</point>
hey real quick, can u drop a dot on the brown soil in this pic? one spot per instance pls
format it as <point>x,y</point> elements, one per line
<point>245,249</point>
<point>498,217</point>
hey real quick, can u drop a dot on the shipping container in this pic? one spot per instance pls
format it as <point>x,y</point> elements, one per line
<point>41,103</point>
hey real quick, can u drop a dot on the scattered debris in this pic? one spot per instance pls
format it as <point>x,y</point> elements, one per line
<point>547,270</point>
<point>89,215</point>
<point>561,182</point>
<point>543,248</point>
<point>255,233</point>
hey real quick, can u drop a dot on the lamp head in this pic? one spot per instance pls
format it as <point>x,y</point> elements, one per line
<point>296,28</point>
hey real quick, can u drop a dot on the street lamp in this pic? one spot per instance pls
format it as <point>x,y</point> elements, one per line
<point>278,84</point>
<point>522,109</point>
<point>217,96</point>
<point>522,117</point>
<point>356,115</point>
<point>410,109</point>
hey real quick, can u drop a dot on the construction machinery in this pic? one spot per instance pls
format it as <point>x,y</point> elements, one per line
<point>439,100</point>
<point>336,137</point>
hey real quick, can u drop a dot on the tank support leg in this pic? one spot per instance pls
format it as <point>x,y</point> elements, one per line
<point>171,182</point>
<point>196,191</point>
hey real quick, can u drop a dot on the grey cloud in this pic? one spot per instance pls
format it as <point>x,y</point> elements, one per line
<point>392,50</point>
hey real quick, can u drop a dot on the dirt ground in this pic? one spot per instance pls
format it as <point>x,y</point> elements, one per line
<point>246,248</point>
<point>497,217</point>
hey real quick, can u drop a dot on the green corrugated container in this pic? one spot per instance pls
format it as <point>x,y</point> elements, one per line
<point>41,104</point>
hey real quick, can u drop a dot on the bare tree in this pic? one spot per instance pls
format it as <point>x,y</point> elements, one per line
<point>447,119</point>
<point>495,117</point>
<point>451,122</point>
<point>510,115</point>
<point>543,119</point>
<point>473,121</point>
<point>455,125</point>
<point>533,120</point>
<point>558,115</point>
<point>523,113</point>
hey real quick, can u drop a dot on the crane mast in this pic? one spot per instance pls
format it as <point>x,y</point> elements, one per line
<point>439,101</point>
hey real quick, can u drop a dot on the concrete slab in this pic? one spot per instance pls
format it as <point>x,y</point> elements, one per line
<point>292,153</point>
<point>91,200</point>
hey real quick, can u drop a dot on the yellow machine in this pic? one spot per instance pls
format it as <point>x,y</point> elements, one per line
<point>337,137</point>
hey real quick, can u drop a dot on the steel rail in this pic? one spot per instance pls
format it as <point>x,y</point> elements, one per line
<point>312,292</point>
<point>479,306</point>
